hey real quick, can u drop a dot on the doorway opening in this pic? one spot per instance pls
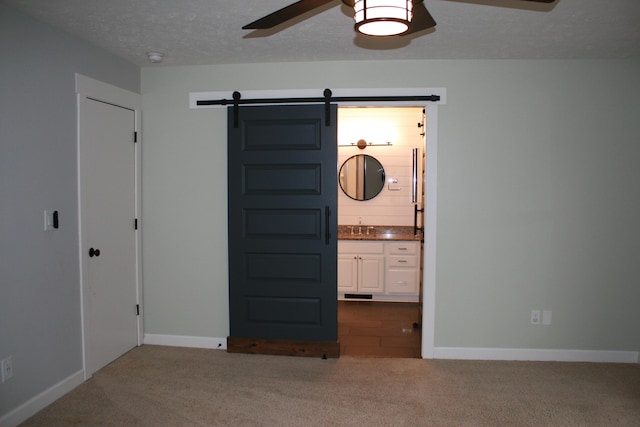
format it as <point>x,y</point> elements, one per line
<point>350,97</point>
<point>380,204</point>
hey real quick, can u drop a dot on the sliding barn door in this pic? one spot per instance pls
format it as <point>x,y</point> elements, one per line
<point>282,228</point>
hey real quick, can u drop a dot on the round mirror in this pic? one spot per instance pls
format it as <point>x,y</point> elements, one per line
<point>361,177</point>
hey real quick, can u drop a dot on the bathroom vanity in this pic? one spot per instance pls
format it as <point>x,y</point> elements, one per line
<point>379,263</point>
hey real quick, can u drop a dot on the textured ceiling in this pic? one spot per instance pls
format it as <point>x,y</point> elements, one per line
<point>193,32</point>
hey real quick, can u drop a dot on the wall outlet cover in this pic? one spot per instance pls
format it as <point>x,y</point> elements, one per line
<point>535,317</point>
<point>6,368</point>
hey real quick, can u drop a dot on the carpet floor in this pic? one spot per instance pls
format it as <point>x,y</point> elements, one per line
<point>169,386</point>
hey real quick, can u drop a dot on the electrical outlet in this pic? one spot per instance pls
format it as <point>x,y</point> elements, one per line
<point>535,317</point>
<point>6,366</point>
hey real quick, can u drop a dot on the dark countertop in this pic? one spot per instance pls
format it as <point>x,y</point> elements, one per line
<point>377,232</point>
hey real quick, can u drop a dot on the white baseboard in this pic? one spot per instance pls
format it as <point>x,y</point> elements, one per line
<point>186,341</point>
<point>42,400</point>
<point>596,356</point>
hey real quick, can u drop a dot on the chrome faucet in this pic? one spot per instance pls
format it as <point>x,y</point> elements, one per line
<point>352,228</point>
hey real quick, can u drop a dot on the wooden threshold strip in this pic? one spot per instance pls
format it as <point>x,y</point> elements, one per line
<point>323,349</point>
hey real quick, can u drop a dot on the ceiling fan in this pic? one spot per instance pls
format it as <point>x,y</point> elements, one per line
<point>373,17</point>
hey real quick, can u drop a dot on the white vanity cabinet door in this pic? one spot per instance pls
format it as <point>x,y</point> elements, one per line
<point>402,273</point>
<point>361,267</point>
<point>347,273</point>
<point>371,274</point>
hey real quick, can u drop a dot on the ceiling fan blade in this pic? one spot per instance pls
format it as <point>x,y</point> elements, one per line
<point>422,19</point>
<point>285,14</point>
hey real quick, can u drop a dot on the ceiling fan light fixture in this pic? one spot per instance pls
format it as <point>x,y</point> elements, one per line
<point>383,17</point>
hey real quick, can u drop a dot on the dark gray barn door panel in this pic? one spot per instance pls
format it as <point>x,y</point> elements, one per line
<point>282,223</point>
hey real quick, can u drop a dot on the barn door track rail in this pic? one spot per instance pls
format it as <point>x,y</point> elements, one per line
<point>327,99</point>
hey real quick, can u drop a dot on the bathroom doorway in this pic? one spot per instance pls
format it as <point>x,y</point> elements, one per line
<point>430,98</point>
<point>379,217</point>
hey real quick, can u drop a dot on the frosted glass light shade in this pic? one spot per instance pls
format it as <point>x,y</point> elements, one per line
<point>383,17</point>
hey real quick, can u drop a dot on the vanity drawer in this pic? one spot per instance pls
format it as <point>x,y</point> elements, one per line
<point>402,248</point>
<point>401,261</point>
<point>402,281</point>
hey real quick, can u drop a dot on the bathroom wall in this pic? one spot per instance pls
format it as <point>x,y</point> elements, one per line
<point>393,206</point>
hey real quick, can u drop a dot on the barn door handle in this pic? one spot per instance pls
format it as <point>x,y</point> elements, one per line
<point>94,252</point>
<point>327,235</point>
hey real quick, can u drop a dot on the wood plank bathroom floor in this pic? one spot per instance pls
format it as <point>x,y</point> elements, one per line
<point>379,329</point>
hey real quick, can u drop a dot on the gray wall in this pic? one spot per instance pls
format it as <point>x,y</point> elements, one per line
<point>538,196</point>
<point>39,271</point>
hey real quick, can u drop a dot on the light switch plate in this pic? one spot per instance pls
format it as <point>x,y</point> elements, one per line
<point>48,219</point>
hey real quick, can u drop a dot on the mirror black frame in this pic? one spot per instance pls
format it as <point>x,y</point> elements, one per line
<point>370,177</point>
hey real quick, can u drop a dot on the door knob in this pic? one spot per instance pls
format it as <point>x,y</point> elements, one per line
<point>94,252</point>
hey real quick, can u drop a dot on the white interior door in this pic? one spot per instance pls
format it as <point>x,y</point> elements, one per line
<point>108,236</point>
